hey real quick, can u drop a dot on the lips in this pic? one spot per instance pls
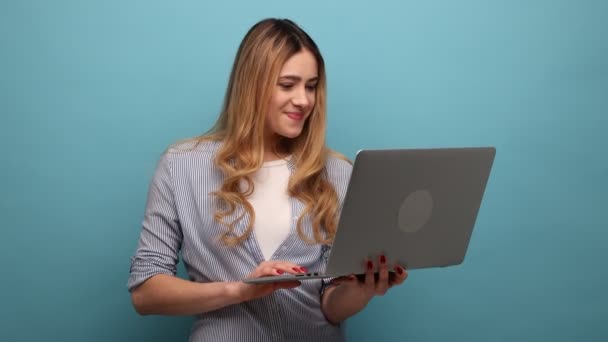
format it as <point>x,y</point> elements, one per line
<point>296,116</point>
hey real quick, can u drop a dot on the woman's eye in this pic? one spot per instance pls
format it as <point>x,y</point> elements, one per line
<point>286,85</point>
<point>311,87</point>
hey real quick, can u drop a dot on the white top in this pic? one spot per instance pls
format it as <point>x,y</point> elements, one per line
<point>271,205</point>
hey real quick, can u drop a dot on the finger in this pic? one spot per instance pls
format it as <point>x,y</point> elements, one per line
<point>282,267</point>
<point>370,282</point>
<point>273,270</point>
<point>292,268</point>
<point>400,275</point>
<point>297,269</point>
<point>382,284</point>
<point>270,269</point>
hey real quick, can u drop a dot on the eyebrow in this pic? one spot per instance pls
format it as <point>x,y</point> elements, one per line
<point>297,78</point>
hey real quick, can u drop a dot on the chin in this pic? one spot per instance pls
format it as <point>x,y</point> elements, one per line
<point>291,134</point>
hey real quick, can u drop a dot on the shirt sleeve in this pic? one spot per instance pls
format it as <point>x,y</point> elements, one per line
<point>338,173</point>
<point>161,236</point>
<point>325,282</point>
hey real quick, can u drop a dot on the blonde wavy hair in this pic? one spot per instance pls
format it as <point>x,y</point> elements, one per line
<point>240,128</point>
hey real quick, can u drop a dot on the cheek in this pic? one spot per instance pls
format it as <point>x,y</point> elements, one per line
<point>312,99</point>
<point>273,116</point>
<point>274,108</point>
<point>278,102</point>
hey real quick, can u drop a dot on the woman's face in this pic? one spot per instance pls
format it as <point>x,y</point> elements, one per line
<point>293,97</point>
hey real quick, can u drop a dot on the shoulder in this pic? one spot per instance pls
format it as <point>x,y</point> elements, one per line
<point>192,148</point>
<point>196,145</point>
<point>338,164</point>
<point>338,169</point>
<point>191,153</point>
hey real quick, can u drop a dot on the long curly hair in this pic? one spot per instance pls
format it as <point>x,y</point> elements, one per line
<point>240,128</point>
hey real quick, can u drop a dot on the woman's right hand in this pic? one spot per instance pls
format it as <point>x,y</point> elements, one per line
<point>246,292</point>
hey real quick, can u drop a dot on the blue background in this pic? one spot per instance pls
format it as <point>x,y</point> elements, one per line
<point>91,92</point>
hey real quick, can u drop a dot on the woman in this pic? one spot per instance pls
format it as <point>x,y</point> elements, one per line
<point>258,195</point>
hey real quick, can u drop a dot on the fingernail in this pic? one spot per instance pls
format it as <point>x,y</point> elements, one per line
<point>399,270</point>
<point>304,269</point>
<point>280,271</point>
<point>382,259</point>
<point>370,265</point>
<point>296,269</point>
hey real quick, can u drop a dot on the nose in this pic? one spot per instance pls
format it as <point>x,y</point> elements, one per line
<point>301,97</point>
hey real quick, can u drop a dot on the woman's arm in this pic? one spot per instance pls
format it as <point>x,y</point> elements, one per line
<point>337,306</point>
<point>346,296</point>
<point>168,295</point>
<point>165,294</point>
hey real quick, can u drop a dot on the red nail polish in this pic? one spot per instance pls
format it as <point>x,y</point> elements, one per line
<point>399,270</point>
<point>382,259</point>
<point>280,271</point>
<point>297,269</point>
<point>370,265</point>
<point>304,269</point>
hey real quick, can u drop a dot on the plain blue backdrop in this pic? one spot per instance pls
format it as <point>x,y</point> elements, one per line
<point>91,92</point>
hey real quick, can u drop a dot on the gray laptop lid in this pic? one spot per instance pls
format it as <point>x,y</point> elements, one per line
<point>417,206</point>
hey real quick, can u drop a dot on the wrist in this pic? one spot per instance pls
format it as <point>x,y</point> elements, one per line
<point>234,292</point>
<point>350,298</point>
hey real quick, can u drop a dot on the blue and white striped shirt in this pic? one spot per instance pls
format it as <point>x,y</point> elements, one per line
<point>179,218</point>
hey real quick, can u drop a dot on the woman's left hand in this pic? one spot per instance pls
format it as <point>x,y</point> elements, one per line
<point>371,285</point>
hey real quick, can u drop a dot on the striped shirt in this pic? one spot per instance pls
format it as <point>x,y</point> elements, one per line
<point>178,221</point>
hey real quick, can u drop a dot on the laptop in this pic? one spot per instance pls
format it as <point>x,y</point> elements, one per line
<point>416,206</point>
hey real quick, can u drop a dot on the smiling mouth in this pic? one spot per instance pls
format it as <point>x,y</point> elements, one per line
<point>296,116</point>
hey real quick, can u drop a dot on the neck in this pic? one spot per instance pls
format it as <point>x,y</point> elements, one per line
<point>273,149</point>
<point>271,156</point>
